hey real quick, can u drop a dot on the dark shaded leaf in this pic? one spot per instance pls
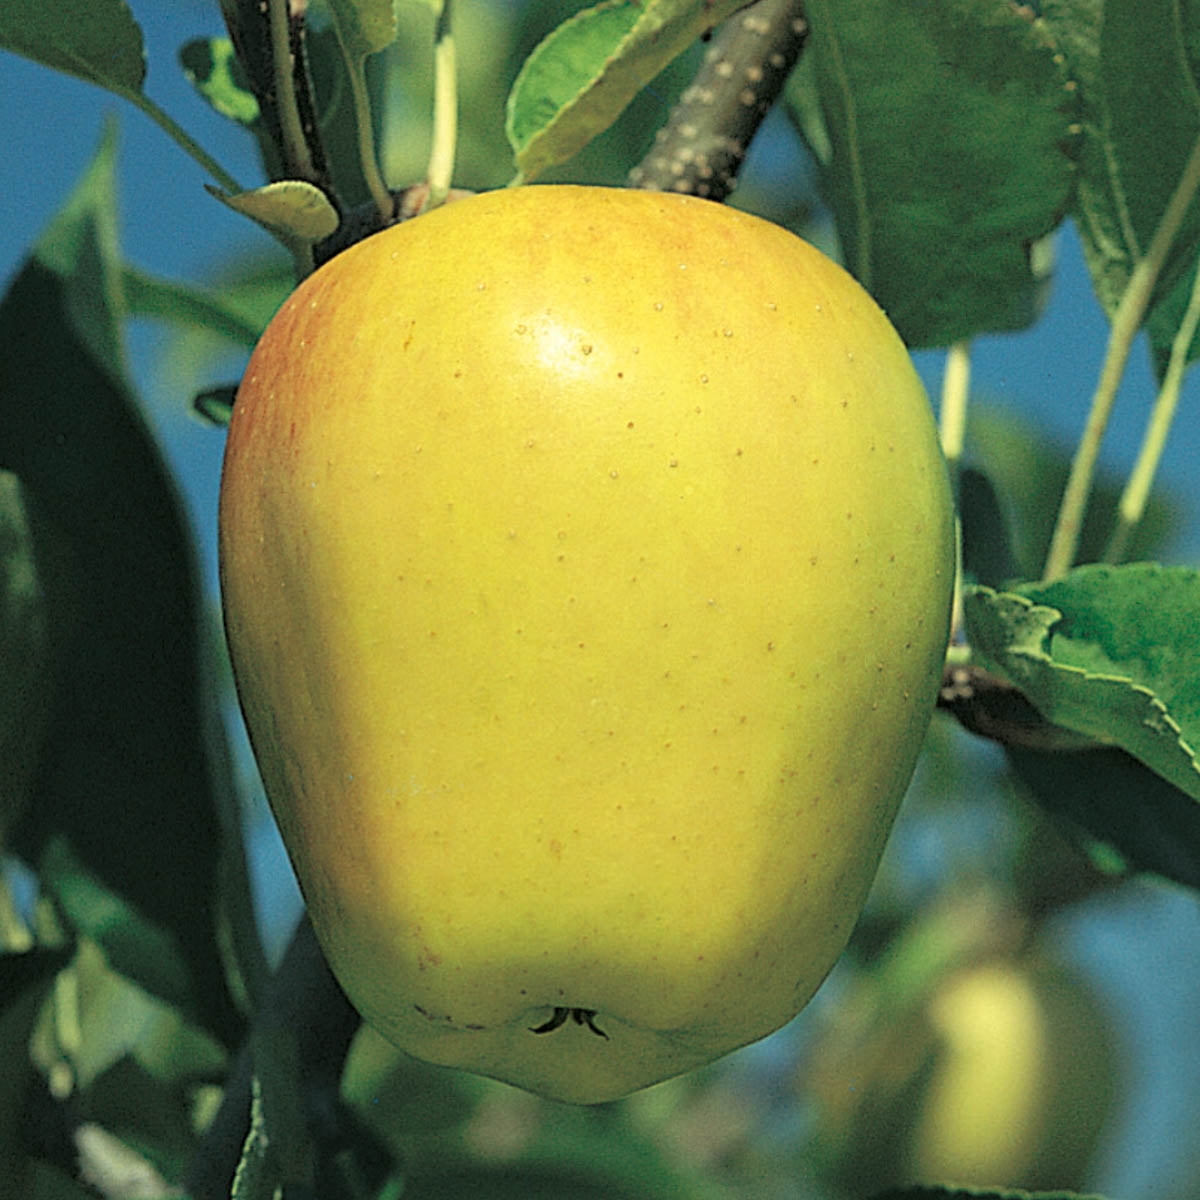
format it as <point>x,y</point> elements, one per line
<point>36,619</point>
<point>96,40</point>
<point>1130,818</point>
<point>516,1183</point>
<point>132,765</point>
<point>987,554</point>
<point>25,979</point>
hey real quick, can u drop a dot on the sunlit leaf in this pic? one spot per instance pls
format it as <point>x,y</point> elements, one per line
<point>582,76</point>
<point>111,1018</point>
<point>1108,652</point>
<point>293,207</point>
<point>258,1175</point>
<point>212,68</point>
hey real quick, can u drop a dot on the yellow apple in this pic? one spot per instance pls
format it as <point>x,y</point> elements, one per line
<point>1023,1083</point>
<point>1004,1076</point>
<point>586,559</point>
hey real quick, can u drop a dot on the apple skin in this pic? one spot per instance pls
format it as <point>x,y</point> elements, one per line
<point>586,559</point>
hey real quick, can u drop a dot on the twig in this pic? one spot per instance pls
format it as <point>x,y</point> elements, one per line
<point>445,109</point>
<point>952,414</point>
<point>704,142</point>
<point>355,59</point>
<point>269,40</point>
<point>1126,322</point>
<point>992,708</point>
<point>1141,479</point>
<point>952,424</point>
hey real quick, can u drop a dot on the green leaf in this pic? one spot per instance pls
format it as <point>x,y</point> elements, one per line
<point>1164,320</point>
<point>24,983</point>
<point>1124,816</point>
<point>517,1183</point>
<point>1108,652</point>
<point>36,619</point>
<point>293,208</point>
<point>364,26</point>
<point>109,1018</point>
<point>1135,61</point>
<point>987,549</point>
<point>133,771</point>
<point>215,405</point>
<point>139,949</point>
<point>582,76</point>
<point>48,1182</point>
<point>188,307</point>
<point>257,1176</point>
<point>212,68</point>
<point>944,135</point>
<point>96,40</point>
<point>119,1166</point>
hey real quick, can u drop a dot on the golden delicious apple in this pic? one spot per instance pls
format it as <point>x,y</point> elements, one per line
<point>586,557</point>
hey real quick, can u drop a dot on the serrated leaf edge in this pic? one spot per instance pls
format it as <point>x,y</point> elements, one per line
<point>1025,681</point>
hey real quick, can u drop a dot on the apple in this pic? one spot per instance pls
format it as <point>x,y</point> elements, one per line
<point>1004,1075</point>
<point>1023,1085</point>
<point>586,558</point>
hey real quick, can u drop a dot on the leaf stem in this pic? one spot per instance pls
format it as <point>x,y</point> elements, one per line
<point>952,413</point>
<point>296,153</point>
<point>181,138</point>
<point>295,144</point>
<point>356,73</point>
<point>1134,498</point>
<point>952,421</point>
<point>1126,322</point>
<point>440,175</point>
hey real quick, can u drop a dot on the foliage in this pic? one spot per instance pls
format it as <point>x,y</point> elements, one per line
<point>946,149</point>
